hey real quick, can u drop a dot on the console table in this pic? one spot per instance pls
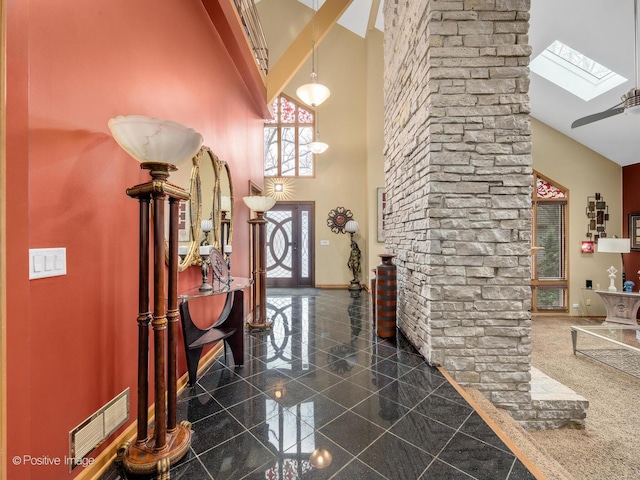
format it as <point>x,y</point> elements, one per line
<point>228,327</point>
<point>622,307</point>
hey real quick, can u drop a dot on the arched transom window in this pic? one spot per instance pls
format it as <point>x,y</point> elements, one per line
<point>287,138</point>
<point>549,278</point>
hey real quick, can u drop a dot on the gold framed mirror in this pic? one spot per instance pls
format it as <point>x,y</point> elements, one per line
<point>210,204</point>
<point>226,204</point>
<point>208,181</point>
<point>189,212</point>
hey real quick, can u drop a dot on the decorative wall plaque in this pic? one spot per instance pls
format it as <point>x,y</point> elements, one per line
<point>338,218</point>
<point>598,214</point>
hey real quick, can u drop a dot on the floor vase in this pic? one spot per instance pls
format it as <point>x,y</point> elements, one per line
<point>386,294</point>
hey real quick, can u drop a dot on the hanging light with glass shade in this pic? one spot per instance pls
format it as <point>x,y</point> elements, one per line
<point>317,147</point>
<point>313,93</point>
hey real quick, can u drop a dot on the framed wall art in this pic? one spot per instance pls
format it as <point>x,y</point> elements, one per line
<point>634,230</point>
<point>598,214</point>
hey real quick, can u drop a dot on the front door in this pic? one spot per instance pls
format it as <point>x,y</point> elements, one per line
<point>290,245</point>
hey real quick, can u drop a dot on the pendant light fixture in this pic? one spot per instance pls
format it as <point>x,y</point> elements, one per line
<point>317,147</point>
<point>313,93</point>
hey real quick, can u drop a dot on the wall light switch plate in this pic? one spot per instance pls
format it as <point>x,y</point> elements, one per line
<point>324,243</point>
<point>47,262</point>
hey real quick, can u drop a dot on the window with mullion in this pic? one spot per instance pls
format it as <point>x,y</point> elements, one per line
<point>287,138</point>
<point>549,279</point>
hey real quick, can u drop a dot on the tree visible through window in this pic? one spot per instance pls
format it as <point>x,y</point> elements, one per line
<point>286,140</point>
<point>549,267</point>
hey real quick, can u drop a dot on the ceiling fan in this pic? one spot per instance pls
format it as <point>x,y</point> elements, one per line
<point>631,100</point>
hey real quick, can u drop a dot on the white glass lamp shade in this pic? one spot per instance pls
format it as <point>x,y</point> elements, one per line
<point>614,245</point>
<point>153,140</point>
<point>318,147</point>
<point>313,93</point>
<point>206,225</point>
<point>225,203</point>
<point>351,226</point>
<point>258,203</point>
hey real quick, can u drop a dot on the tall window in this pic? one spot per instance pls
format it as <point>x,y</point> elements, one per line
<point>286,140</point>
<point>549,266</point>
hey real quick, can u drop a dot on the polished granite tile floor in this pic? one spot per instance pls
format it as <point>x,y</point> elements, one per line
<point>321,396</point>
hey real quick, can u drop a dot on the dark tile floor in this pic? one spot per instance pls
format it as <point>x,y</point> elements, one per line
<point>321,396</point>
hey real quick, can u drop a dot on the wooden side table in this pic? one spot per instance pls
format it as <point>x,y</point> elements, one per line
<point>228,327</point>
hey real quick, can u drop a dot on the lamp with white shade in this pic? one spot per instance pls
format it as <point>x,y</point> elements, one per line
<point>313,93</point>
<point>149,139</point>
<point>260,205</point>
<point>158,145</point>
<point>614,245</point>
<point>206,226</point>
<point>317,147</point>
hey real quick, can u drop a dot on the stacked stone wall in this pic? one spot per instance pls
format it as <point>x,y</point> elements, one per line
<point>458,178</point>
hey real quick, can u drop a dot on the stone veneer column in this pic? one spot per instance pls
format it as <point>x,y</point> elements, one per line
<point>459,179</point>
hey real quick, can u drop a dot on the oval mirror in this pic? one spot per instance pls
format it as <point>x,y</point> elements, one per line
<point>210,205</point>
<point>226,205</point>
<point>188,212</point>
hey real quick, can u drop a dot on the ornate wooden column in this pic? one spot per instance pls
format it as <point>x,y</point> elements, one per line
<point>155,452</point>
<point>259,273</point>
<point>260,205</point>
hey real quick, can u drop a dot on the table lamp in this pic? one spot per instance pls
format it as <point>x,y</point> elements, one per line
<point>614,245</point>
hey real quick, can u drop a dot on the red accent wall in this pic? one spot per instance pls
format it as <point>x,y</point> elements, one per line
<point>631,204</point>
<point>18,326</point>
<point>72,340</point>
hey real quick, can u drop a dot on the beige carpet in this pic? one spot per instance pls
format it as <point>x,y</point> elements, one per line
<point>609,447</point>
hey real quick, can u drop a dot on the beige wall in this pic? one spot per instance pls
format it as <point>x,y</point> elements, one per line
<point>584,172</point>
<point>343,177</point>
<point>375,140</point>
<point>348,174</point>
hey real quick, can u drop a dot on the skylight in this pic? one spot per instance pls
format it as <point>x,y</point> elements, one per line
<point>575,72</point>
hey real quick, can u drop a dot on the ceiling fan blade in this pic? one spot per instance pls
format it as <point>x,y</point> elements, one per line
<point>597,116</point>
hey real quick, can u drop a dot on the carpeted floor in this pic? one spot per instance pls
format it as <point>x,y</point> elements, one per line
<point>609,447</point>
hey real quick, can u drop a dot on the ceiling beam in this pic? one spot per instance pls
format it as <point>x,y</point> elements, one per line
<point>300,49</point>
<point>373,14</point>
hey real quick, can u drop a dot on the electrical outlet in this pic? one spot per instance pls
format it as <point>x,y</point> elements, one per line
<point>576,305</point>
<point>588,302</point>
<point>324,243</point>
